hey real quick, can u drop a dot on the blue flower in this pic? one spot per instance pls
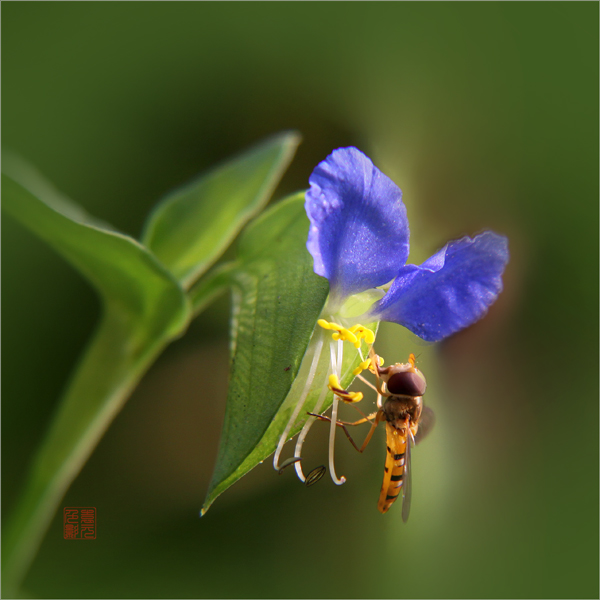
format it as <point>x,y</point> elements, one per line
<point>358,239</point>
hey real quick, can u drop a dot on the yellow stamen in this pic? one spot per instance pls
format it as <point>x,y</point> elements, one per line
<point>336,387</point>
<point>327,325</point>
<point>353,397</point>
<point>363,366</point>
<point>334,382</point>
<point>363,332</point>
<point>354,335</point>
<point>372,368</point>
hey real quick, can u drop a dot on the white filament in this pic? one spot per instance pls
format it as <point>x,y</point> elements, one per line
<point>336,364</point>
<point>334,410</point>
<point>300,403</point>
<point>337,369</point>
<point>333,359</point>
<point>304,432</point>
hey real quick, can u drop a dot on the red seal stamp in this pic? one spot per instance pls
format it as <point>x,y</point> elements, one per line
<point>79,523</point>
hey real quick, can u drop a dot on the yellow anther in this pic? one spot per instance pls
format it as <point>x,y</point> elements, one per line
<point>369,336</point>
<point>411,359</point>
<point>372,367</point>
<point>327,325</point>
<point>363,366</point>
<point>341,333</point>
<point>354,335</point>
<point>348,336</point>
<point>353,397</point>
<point>363,332</point>
<point>336,387</point>
<point>334,382</point>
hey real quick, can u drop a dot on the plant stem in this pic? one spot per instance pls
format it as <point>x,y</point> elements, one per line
<point>115,361</point>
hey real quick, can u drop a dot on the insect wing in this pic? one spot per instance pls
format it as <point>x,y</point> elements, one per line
<point>426,423</point>
<point>407,483</point>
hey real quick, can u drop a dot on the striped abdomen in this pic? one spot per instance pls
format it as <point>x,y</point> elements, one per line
<point>393,477</point>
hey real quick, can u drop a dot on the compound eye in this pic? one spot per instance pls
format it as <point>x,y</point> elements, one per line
<point>407,383</point>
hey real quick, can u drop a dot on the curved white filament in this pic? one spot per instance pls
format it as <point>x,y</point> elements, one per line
<point>304,432</point>
<point>300,403</point>
<point>334,411</point>
<point>317,409</point>
<point>337,369</point>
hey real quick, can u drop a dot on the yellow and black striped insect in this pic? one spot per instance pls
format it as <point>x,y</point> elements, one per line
<point>407,421</point>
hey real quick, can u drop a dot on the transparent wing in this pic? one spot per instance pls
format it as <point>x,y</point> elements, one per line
<point>426,423</point>
<point>407,479</point>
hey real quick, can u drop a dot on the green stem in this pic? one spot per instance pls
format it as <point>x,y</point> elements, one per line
<point>122,356</point>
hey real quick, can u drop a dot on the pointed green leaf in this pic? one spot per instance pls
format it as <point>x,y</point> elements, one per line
<point>144,308</point>
<point>194,225</point>
<point>277,301</point>
<point>123,271</point>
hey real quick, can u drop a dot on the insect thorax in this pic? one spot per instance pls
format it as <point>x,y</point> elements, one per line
<point>397,408</point>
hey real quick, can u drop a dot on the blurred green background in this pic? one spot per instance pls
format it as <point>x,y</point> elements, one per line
<point>486,115</point>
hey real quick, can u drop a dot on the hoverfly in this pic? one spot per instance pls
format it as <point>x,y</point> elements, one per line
<point>407,422</point>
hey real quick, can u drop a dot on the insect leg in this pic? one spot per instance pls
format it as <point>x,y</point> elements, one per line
<point>378,417</point>
<point>380,391</point>
<point>367,382</point>
<point>367,419</point>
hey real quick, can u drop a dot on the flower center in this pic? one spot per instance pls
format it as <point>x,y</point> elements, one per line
<point>355,336</point>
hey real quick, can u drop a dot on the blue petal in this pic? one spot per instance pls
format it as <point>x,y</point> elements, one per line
<point>358,234</point>
<point>449,291</point>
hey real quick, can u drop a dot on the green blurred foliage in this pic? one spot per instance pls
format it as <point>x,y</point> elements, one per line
<point>486,115</point>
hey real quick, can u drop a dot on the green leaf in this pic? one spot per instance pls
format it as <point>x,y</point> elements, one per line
<point>123,271</point>
<point>144,308</point>
<point>193,226</point>
<point>277,301</point>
